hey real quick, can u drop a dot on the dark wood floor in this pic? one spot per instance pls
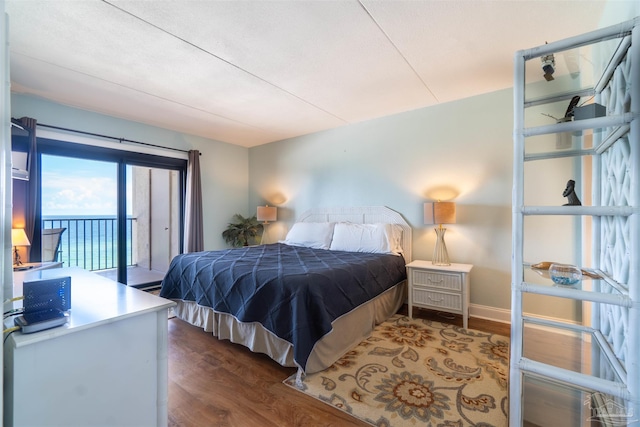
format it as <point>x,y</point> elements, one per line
<point>216,383</point>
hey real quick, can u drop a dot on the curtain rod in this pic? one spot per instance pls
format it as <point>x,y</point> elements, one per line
<point>121,140</point>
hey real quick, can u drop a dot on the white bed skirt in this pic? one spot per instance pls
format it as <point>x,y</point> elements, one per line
<point>348,330</point>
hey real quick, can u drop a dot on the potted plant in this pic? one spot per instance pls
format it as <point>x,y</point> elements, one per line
<point>242,231</point>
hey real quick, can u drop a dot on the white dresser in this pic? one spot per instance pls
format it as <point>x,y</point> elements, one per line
<point>107,366</point>
<point>444,288</point>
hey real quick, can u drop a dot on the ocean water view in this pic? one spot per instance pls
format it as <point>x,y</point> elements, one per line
<point>90,241</point>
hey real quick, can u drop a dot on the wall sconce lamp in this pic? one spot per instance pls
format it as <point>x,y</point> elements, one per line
<point>18,238</point>
<point>264,215</point>
<point>440,213</point>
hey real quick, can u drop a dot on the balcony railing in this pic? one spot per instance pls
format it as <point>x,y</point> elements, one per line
<point>91,243</point>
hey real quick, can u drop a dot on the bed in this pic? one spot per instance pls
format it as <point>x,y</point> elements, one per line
<point>305,301</point>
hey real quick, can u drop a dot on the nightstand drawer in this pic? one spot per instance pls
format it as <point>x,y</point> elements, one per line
<point>422,297</point>
<point>452,282</point>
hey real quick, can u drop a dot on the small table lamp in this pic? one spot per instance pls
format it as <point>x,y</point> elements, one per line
<point>18,238</point>
<point>440,213</point>
<point>266,214</point>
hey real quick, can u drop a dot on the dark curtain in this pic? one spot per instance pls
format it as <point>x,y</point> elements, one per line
<point>193,228</point>
<point>32,187</point>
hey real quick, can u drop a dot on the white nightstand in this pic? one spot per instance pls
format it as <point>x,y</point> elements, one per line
<point>439,287</point>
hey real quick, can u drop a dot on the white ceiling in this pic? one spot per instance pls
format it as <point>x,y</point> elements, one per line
<point>253,72</point>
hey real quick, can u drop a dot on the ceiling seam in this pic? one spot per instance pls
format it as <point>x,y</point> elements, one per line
<point>399,51</point>
<point>227,62</point>
<point>143,92</point>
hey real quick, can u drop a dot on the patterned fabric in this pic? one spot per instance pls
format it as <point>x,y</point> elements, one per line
<point>418,372</point>
<point>294,292</point>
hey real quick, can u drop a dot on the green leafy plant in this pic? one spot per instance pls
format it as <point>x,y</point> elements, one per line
<point>242,231</point>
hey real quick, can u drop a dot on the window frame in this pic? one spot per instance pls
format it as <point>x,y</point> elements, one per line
<point>121,158</point>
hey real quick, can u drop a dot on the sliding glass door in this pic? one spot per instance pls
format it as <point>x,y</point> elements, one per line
<point>156,208</point>
<point>120,213</point>
<point>80,200</point>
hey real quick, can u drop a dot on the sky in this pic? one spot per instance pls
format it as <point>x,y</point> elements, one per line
<point>80,187</point>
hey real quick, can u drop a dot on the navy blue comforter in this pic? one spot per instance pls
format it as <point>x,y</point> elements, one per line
<point>295,292</point>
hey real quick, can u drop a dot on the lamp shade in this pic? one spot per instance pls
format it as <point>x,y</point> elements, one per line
<point>440,213</point>
<point>19,237</point>
<point>267,213</point>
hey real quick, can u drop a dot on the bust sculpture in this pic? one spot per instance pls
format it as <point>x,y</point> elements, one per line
<point>570,193</point>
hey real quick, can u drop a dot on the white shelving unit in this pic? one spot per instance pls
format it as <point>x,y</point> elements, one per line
<point>602,380</point>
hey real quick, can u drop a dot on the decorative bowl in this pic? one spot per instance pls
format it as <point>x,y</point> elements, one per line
<point>565,274</point>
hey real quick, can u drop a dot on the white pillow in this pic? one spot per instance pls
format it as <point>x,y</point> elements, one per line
<point>372,238</point>
<point>310,234</point>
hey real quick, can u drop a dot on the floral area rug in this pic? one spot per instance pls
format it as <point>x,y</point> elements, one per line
<point>418,373</point>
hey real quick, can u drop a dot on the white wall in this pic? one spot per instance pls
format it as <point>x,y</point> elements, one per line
<point>459,151</point>
<point>224,166</point>
<point>616,11</point>
<point>6,270</point>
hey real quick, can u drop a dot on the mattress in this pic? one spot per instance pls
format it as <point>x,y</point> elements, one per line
<point>295,294</point>
<point>347,331</point>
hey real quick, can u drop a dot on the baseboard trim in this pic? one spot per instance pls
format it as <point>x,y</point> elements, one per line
<point>502,315</point>
<point>494,314</point>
